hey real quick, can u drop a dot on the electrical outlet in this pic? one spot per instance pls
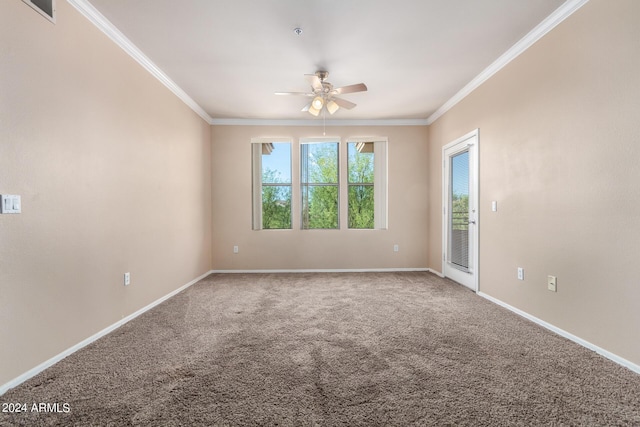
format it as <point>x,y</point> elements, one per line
<point>520,273</point>
<point>552,283</point>
<point>236,249</point>
<point>396,248</point>
<point>127,279</point>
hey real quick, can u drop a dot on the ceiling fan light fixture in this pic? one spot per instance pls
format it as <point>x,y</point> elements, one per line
<point>332,107</point>
<point>313,110</point>
<point>317,103</point>
<point>324,96</point>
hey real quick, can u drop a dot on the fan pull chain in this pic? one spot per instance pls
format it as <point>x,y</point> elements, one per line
<point>324,122</point>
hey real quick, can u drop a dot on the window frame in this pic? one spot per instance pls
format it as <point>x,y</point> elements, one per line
<point>257,184</point>
<point>380,180</point>
<point>303,184</point>
<point>380,184</point>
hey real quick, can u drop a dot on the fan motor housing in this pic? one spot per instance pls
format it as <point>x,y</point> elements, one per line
<point>322,74</point>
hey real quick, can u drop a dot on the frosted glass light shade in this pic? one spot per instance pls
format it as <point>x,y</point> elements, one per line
<point>314,111</point>
<point>332,107</point>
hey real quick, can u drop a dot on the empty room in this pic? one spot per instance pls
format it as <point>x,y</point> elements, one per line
<point>319,213</point>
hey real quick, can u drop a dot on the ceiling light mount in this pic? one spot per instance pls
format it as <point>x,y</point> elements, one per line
<point>322,75</point>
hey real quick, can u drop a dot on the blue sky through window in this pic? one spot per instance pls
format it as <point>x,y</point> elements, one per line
<point>279,160</point>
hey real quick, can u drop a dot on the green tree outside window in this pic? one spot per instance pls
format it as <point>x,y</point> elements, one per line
<point>361,188</point>
<point>319,185</point>
<point>276,186</point>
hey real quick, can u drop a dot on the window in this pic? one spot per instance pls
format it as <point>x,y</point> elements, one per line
<point>360,184</point>
<point>271,184</point>
<point>367,183</point>
<point>319,185</point>
<point>363,177</point>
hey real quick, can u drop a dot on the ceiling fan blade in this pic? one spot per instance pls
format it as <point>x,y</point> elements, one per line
<point>360,87</point>
<point>295,93</point>
<point>344,103</point>
<point>314,81</point>
<point>306,108</point>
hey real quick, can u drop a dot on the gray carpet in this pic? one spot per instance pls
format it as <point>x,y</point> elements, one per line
<point>352,349</point>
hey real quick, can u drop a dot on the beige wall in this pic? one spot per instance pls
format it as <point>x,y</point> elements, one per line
<point>114,173</point>
<point>559,151</point>
<point>318,249</point>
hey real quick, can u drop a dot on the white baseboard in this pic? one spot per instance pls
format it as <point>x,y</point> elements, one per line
<point>41,367</point>
<point>328,270</point>
<point>44,365</point>
<point>611,356</point>
<point>436,272</point>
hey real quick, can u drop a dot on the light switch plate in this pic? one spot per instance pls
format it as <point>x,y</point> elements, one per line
<point>552,283</point>
<point>10,204</point>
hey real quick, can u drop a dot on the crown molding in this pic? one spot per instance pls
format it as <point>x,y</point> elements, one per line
<point>318,122</point>
<point>559,15</point>
<point>104,25</point>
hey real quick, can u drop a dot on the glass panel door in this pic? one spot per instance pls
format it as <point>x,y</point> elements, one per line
<point>459,211</point>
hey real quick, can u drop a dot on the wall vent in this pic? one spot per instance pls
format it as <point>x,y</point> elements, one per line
<point>46,8</point>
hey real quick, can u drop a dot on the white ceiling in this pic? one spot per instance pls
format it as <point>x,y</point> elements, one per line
<point>230,56</point>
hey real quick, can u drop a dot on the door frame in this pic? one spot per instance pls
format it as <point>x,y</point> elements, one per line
<point>472,141</point>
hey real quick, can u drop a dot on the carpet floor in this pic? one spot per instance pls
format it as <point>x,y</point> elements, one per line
<point>330,349</point>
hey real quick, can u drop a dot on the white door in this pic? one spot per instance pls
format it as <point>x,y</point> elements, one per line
<point>460,210</point>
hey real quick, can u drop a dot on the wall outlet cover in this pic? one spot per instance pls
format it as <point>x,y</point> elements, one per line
<point>10,204</point>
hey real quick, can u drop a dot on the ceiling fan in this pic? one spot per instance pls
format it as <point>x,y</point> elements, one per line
<point>325,95</point>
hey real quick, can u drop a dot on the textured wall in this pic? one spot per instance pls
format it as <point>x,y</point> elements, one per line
<point>559,150</point>
<point>318,249</point>
<point>114,173</point>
